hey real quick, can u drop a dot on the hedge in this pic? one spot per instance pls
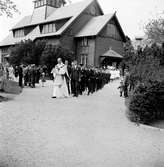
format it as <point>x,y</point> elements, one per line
<point>147,103</point>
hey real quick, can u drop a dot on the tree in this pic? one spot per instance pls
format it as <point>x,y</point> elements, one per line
<point>27,52</point>
<point>52,52</point>
<point>7,7</point>
<point>128,55</point>
<point>155,30</point>
<point>39,53</point>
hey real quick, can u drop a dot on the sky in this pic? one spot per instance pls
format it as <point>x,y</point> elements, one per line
<point>132,14</point>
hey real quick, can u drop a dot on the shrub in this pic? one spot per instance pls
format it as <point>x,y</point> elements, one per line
<point>147,103</point>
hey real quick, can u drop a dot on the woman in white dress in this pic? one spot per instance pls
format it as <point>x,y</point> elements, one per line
<point>11,73</point>
<point>60,89</point>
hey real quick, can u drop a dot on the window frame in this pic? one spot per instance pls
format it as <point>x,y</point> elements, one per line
<point>48,28</point>
<point>19,33</point>
<point>85,42</point>
<point>84,59</point>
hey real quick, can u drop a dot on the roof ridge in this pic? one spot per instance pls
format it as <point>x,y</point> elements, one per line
<point>96,22</point>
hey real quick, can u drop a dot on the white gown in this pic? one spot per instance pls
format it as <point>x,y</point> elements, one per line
<point>60,89</point>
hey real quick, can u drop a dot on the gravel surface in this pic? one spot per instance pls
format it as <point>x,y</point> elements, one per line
<point>37,131</point>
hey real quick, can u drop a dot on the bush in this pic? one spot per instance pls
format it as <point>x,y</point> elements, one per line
<point>27,52</point>
<point>147,103</point>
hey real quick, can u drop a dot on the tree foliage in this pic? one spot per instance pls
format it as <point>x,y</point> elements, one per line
<point>146,66</point>
<point>39,53</point>
<point>7,7</point>
<point>52,52</point>
<point>27,52</point>
<point>155,30</point>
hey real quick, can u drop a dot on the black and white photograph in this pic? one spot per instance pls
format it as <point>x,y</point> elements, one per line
<point>81,83</point>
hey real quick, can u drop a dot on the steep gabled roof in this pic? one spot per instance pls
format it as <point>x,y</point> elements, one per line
<point>95,25</point>
<point>72,10</point>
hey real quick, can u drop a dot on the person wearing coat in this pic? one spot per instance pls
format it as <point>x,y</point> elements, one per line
<point>75,79</point>
<point>20,74</point>
<point>67,76</point>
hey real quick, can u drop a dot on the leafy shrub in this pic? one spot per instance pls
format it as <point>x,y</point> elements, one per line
<point>147,103</point>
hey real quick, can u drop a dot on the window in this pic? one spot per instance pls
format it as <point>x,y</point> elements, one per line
<point>84,42</point>
<point>35,5</point>
<point>84,59</point>
<point>42,3</point>
<point>45,2</point>
<point>53,3</point>
<point>48,28</point>
<point>39,3</point>
<point>19,33</point>
<point>4,50</point>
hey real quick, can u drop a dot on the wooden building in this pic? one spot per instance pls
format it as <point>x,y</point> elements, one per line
<point>80,27</point>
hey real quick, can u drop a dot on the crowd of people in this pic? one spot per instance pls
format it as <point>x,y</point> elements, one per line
<point>77,79</point>
<point>25,75</point>
<point>68,79</point>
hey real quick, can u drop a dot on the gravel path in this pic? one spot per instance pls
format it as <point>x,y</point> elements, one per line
<point>37,131</point>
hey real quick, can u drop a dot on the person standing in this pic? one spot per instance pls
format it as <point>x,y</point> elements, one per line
<point>16,73</point>
<point>75,79</point>
<point>1,76</point>
<point>33,76</point>
<point>126,83</point>
<point>20,74</point>
<point>67,76</point>
<point>43,79</point>
<point>60,87</point>
<point>90,81</point>
<point>38,74</point>
<point>11,73</point>
<point>121,88</point>
<point>26,75</point>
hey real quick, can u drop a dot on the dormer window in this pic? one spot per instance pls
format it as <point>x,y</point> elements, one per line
<point>19,33</point>
<point>48,28</point>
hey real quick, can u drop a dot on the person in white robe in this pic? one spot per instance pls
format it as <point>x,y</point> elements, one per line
<point>11,73</point>
<point>60,89</point>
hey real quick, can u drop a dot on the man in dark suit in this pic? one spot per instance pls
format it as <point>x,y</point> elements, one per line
<point>20,74</point>
<point>32,75</point>
<point>90,78</point>
<point>75,79</point>
<point>67,75</point>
